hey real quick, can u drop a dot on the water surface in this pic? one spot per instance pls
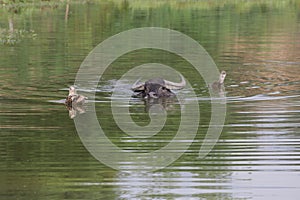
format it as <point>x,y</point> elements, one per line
<point>257,155</point>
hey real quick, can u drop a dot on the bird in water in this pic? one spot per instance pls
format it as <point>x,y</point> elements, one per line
<point>217,85</point>
<point>73,98</point>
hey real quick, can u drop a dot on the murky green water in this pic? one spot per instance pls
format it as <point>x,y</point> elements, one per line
<point>257,155</point>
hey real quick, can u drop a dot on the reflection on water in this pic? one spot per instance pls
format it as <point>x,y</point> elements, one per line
<point>75,110</point>
<point>257,155</point>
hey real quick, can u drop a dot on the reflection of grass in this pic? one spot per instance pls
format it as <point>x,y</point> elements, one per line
<point>17,11</point>
<point>33,3</point>
<point>241,5</point>
<point>18,6</point>
<point>20,10</point>
<point>25,1</point>
<point>13,37</point>
<point>144,4</point>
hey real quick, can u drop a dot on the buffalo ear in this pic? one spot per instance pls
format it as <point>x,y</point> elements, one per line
<point>175,86</point>
<point>138,88</point>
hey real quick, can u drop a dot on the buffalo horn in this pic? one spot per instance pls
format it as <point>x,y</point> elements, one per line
<point>175,86</point>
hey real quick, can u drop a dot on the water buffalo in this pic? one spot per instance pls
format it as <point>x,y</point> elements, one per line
<point>157,88</point>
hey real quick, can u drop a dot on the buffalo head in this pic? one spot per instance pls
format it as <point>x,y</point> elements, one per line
<point>157,87</point>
